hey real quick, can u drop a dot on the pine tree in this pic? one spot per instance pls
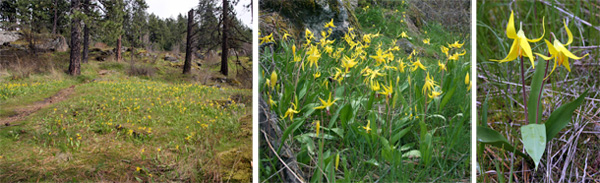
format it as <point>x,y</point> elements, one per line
<point>74,66</point>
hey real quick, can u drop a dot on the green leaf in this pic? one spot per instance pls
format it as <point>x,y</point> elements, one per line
<point>488,136</point>
<point>534,141</point>
<point>448,96</point>
<point>561,117</point>
<point>291,129</point>
<point>399,135</point>
<point>412,154</point>
<point>534,95</point>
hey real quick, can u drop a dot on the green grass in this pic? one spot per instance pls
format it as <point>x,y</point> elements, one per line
<point>429,137</point>
<point>114,123</point>
<point>505,111</point>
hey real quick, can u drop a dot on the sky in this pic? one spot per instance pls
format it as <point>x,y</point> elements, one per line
<point>171,8</point>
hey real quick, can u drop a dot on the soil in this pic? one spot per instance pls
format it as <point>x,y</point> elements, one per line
<point>25,111</point>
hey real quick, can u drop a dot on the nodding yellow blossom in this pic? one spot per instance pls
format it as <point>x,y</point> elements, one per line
<point>326,104</point>
<point>375,86</point>
<point>271,101</point>
<point>348,63</point>
<point>339,75</point>
<point>337,161</point>
<point>559,52</point>
<point>291,111</point>
<point>309,35</point>
<point>318,126</point>
<point>401,65</point>
<point>429,84</point>
<point>456,55</point>
<point>285,36</point>
<point>368,127</point>
<point>417,64</point>
<point>137,169</point>
<point>317,74</point>
<point>520,46</point>
<point>456,45</point>
<point>426,41</point>
<point>403,35</point>
<point>372,74</point>
<point>313,57</point>
<point>444,50</point>
<point>442,66</point>
<point>380,57</point>
<point>158,149</point>
<point>267,39</point>
<point>273,80</point>
<point>387,91</point>
<point>330,24</point>
<point>468,82</point>
<point>434,94</point>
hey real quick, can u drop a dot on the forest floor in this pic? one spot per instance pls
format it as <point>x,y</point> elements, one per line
<point>118,122</point>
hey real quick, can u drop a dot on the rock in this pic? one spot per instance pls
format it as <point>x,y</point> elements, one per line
<point>312,14</point>
<point>58,43</point>
<point>405,45</point>
<point>170,58</point>
<point>7,37</point>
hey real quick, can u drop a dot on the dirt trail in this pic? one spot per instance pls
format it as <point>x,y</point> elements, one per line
<point>25,111</point>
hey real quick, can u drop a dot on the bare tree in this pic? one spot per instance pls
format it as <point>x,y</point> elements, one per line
<point>187,67</point>
<point>74,66</point>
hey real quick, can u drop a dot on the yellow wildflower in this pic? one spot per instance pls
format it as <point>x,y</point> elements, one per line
<point>442,66</point>
<point>520,46</point>
<point>291,111</point>
<point>417,64</point>
<point>368,126</point>
<point>330,24</point>
<point>326,104</point>
<point>558,51</point>
<point>426,41</point>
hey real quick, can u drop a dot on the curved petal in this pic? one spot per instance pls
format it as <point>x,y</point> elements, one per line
<point>551,48</point>
<point>510,27</point>
<point>543,28</point>
<point>569,34</point>
<point>514,52</point>
<point>544,56</point>
<point>566,64</point>
<point>570,55</point>
<point>527,50</point>
<point>554,67</point>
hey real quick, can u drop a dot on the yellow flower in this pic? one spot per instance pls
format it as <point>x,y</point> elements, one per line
<point>143,150</point>
<point>158,149</point>
<point>379,58</point>
<point>375,86</point>
<point>387,91</point>
<point>368,127</point>
<point>402,65</point>
<point>273,80</point>
<point>285,36</point>
<point>317,75</point>
<point>326,104</point>
<point>429,84</point>
<point>468,82</point>
<point>309,35</point>
<point>291,111</point>
<point>455,45</point>
<point>426,41</point>
<point>137,169</point>
<point>417,64</point>
<point>434,94</point>
<point>266,39</point>
<point>456,55</point>
<point>313,57</point>
<point>520,46</point>
<point>444,50</point>
<point>442,66</point>
<point>271,101</point>
<point>330,24</point>
<point>348,63</point>
<point>403,35</point>
<point>558,51</point>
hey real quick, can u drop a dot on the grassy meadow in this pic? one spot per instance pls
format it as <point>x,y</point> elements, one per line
<point>111,124</point>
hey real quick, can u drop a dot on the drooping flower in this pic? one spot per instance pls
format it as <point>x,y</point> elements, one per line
<point>444,50</point>
<point>348,63</point>
<point>417,64</point>
<point>273,80</point>
<point>368,126</point>
<point>267,39</point>
<point>290,112</point>
<point>442,66</point>
<point>326,104</point>
<point>426,41</point>
<point>520,46</point>
<point>429,84</point>
<point>318,126</point>
<point>330,24</point>
<point>455,56</point>
<point>380,57</point>
<point>468,82</point>
<point>559,52</point>
<point>456,45</point>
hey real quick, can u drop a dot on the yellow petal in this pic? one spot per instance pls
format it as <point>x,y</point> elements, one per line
<point>527,49</point>
<point>544,56</point>
<point>543,28</point>
<point>566,64</point>
<point>569,34</point>
<point>570,55</point>
<point>514,52</point>
<point>551,48</point>
<point>510,27</point>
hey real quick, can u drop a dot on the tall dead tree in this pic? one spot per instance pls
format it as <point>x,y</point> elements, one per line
<point>224,48</point>
<point>187,66</point>
<point>86,33</point>
<point>55,16</point>
<point>74,66</point>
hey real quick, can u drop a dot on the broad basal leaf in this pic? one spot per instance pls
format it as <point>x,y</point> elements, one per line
<point>492,137</point>
<point>561,117</point>
<point>534,141</point>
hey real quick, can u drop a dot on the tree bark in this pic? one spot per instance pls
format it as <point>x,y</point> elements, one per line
<point>187,67</point>
<point>74,66</point>
<point>224,48</point>
<point>55,16</point>
<point>118,51</point>
<point>86,35</point>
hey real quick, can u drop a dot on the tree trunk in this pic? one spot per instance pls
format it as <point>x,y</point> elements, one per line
<point>55,16</point>
<point>86,35</point>
<point>224,47</point>
<point>74,66</point>
<point>118,52</point>
<point>187,67</point>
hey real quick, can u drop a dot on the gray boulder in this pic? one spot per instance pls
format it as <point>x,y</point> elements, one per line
<point>7,37</point>
<point>58,43</point>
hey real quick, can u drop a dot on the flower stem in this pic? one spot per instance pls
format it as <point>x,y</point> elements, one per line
<point>537,114</point>
<point>523,86</point>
